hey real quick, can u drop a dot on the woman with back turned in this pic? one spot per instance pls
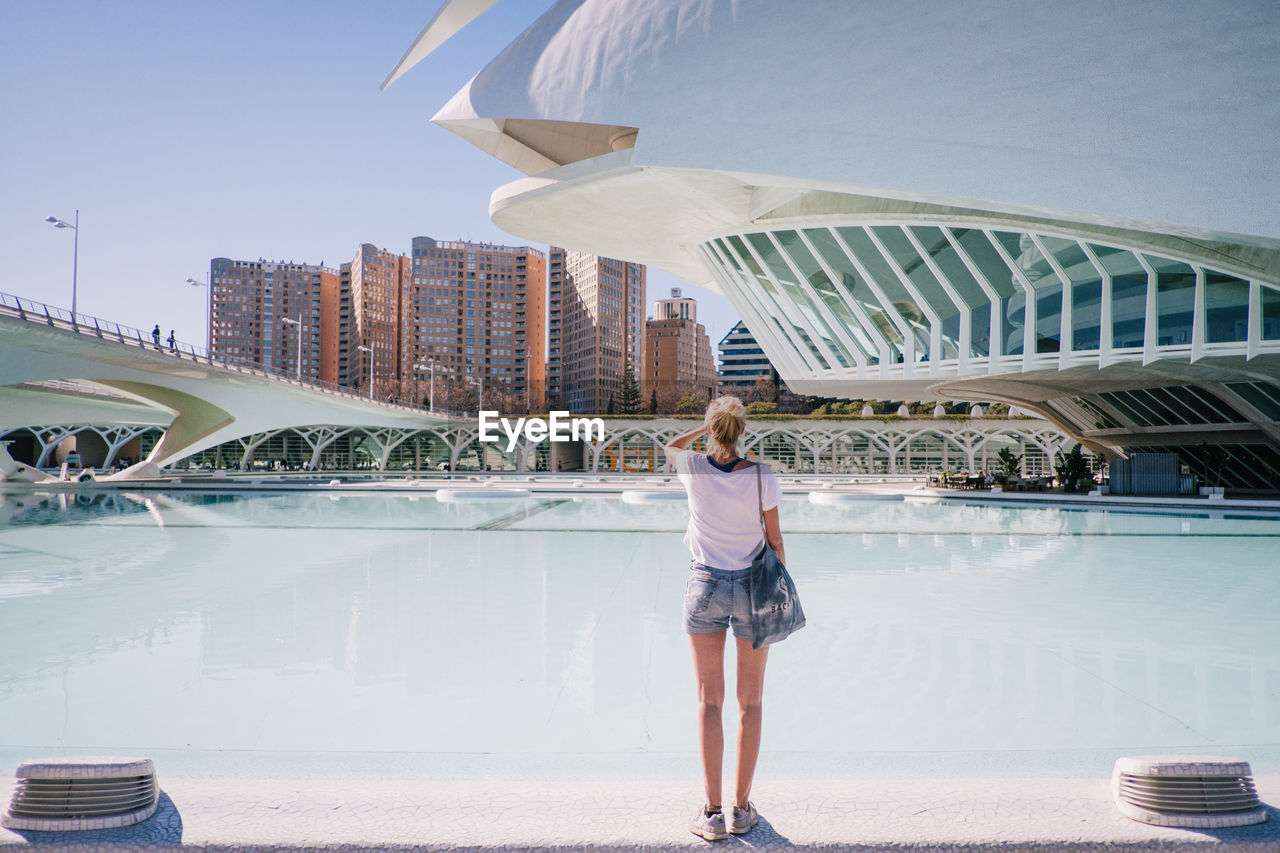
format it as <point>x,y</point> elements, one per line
<point>726,495</point>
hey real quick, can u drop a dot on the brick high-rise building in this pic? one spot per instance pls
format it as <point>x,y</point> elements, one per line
<point>379,284</point>
<point>677,352</point>
<point>477,310</point>
<point>335,327</point>
<point>595,326</point>
<point>251,301</point>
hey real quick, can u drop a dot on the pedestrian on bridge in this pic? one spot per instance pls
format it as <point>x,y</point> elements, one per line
<point>155,335</point>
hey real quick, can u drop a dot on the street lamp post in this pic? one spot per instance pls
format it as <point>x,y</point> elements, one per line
<point>417,368</point>
<point>75,254</point>
<point>369,350</point>
<point>479,380</point>
<point>208,313</point>
<point>431,393</point>
<point>289,321</point>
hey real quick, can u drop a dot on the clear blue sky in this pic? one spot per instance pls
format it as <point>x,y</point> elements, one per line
<point>187,131</point>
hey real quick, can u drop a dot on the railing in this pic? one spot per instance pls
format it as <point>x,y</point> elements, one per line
<point>59,318</point>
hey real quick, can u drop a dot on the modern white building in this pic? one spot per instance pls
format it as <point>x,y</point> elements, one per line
<point>1071,208</point>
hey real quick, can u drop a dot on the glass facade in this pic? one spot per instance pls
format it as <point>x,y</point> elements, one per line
<point>1085,286</point>
<point>870,300</point>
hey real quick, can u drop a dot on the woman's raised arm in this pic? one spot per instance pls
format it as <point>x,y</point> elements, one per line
<point>681,443</point>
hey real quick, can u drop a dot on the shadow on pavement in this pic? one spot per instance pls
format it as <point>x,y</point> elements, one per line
<point>163,827</point>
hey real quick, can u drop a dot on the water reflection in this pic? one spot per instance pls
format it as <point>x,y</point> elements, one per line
<point>282,622</point>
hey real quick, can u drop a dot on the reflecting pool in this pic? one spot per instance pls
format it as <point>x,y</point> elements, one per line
<point>383,634</point>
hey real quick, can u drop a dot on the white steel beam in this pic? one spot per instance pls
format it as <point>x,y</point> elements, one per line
<point>1064,327</point>
<point>935,324</point>
<point>1253,322</point>
<point>966,331</point>
<point>1151,316</point>
<point>768,307</point>
<point>1198,329</point>
<point>742,298</point>
<point>1029,309</point>
<point>995,334</point>
<point>834,326</point>
<point>908,334</point>
<point>1106,348</point>
<point>801,320</point>
<point>869,328</point>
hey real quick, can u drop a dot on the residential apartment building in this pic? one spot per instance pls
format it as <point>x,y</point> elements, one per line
<point>474,311</point>
<point>335,327</point>
<point>595,326</point>
<point>379,283</point>
<point>477,310</point>
<point>677,352</point>
<point>256,308</point>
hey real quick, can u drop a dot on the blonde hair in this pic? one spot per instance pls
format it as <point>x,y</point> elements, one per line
<point>726,419</point>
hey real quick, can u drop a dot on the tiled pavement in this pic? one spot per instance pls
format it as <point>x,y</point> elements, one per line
<point>1073,815</point>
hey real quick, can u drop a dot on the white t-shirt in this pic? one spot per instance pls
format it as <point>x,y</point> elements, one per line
<point>725,531</point>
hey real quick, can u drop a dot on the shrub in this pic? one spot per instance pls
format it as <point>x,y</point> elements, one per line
<point>1073,472</point>
<point>1010,465</point>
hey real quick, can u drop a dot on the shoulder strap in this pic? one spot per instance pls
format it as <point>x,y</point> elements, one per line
<point>760,495</point>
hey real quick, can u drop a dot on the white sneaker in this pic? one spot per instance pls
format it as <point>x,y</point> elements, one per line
<point>743,819</point>
<point>709,826</point>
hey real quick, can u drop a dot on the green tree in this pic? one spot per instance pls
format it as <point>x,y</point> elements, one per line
<point>653,402</point>
<point>628,400</point>
<point>1010,465</point>
<point>835,407</point>
<point>760,407</point>
<point>1073,471</point>
<point>690,404</point>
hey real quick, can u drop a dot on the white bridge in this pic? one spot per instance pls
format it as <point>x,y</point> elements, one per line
<point>57,369</point>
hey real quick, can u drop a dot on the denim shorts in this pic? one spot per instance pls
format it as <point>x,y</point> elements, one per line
<point>716,599</point>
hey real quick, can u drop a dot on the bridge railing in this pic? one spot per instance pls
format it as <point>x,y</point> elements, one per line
<point>33,311</point>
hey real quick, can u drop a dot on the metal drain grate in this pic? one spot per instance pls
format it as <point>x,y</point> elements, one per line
<point>1187,791</point>
<point>56,794</point>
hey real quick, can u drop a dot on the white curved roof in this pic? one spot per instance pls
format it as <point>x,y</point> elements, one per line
<point>1163,113</point>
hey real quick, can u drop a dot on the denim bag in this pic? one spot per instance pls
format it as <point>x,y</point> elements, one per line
<point>775,606</point>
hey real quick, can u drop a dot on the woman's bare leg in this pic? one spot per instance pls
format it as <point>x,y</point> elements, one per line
<point>708,665</point>
<point>750,715</point>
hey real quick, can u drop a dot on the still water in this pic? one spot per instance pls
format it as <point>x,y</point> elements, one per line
<point>352,634</point>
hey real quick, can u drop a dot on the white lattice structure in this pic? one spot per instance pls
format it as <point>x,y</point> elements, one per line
<point>824,447</point>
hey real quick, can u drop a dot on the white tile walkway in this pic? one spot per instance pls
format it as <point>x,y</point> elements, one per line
<point>1073,815</point>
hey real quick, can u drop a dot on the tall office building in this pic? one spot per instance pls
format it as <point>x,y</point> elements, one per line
<point>256,306</point>
<point>595,326</point>
<point>747,373</point>
<point>677,352</point>
<point>477,312</point>
<point>743,364</point>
